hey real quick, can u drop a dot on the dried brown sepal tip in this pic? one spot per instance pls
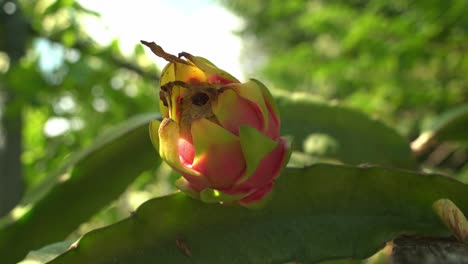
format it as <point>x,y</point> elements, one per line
<point>158,51</point>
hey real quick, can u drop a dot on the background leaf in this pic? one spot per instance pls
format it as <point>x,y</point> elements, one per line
<point>450,126</point>
<point>400,61</point>
<point>316,213</point>
<point>335,132</point>
<point>90,181</point>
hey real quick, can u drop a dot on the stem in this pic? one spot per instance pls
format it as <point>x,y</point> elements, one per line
<point>11,181</point>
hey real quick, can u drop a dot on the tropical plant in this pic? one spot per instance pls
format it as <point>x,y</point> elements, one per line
<point>352,183</point>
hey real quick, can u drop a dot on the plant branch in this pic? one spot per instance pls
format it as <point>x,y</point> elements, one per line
<point>87,47</point>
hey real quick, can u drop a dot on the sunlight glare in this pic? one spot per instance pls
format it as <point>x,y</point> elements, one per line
<point>20,210</point>
<point>56,126</point>
<point>203,28</point>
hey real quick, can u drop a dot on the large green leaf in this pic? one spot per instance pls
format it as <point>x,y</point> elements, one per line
<point>340,133</point>
<point>315,213</point>
<point>85,185</point>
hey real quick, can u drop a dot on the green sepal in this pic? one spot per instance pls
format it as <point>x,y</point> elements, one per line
<point>253,91</point>
<point>255,147</point>
<point>154,132</point>
<point>168,146</point>
<point>206,133</point>
<point>207,66</point>
<point>183,185</point>
<point>268,97</point>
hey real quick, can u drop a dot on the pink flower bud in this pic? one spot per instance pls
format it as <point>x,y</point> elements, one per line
<point>221,135</point>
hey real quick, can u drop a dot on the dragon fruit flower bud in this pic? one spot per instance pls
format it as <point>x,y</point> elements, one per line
<point>221,135</point>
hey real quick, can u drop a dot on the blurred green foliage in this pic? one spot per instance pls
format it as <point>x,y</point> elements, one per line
<point>59,76</point>
<point>65,78</point>
<point>76,81</point>
<point>401,61</point>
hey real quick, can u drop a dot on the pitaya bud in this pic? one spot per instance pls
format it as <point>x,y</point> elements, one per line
<point>220,134</point>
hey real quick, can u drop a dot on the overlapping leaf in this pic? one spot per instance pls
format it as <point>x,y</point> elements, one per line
<point>316,213</point>
<point>90,181</point>
<point>335,132</point>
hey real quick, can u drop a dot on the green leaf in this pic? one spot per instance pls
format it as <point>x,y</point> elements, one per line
<point>85,185</point>
<point>338,133</point>
<point>450,126</point>
<point>255,147</point>
<point>315,213</point>
<point>47,253</point>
